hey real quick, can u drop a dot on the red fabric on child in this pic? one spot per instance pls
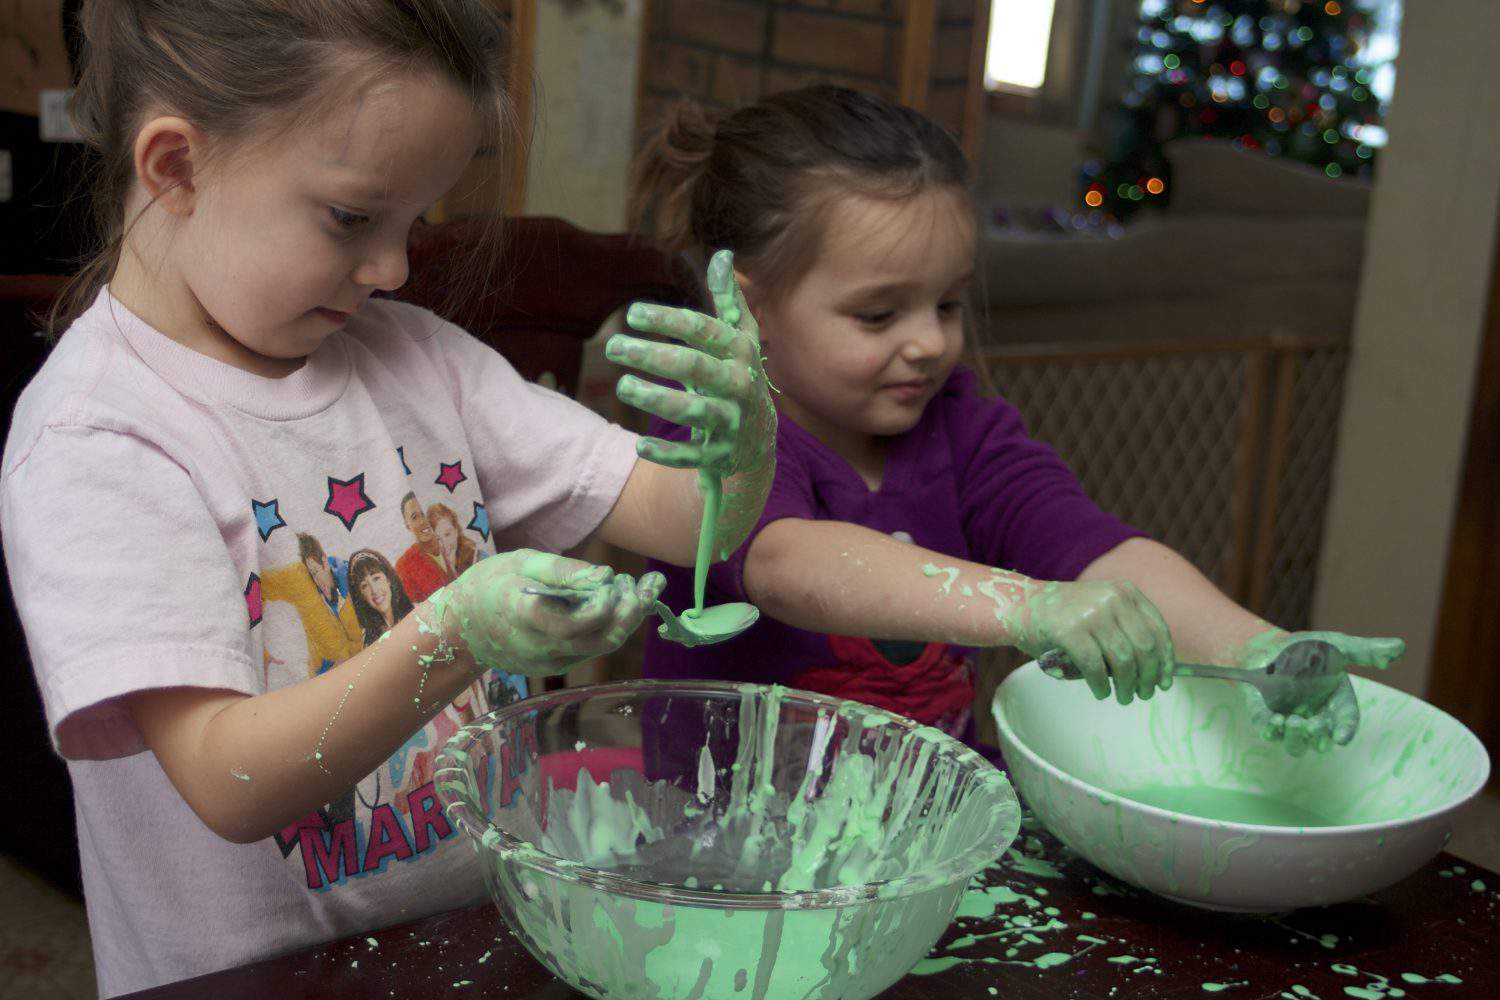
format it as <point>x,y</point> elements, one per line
<point>936,689</point>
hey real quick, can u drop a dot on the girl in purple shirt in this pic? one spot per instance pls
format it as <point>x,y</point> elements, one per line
<point>899,488</point>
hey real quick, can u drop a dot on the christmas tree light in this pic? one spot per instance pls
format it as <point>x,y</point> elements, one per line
<point>1303,79</point>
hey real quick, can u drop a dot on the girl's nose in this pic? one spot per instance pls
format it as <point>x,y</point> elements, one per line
<point>385,268</point>
<point>927,340</point>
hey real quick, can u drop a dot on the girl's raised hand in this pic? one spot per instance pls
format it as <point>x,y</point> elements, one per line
<point>724,400</point>
<point>486,612</point>
<point>1108,629</point>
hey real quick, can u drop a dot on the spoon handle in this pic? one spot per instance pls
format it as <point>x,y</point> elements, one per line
<point>1210,670</point>
<point>1055,663</point>
<point>568,595</point>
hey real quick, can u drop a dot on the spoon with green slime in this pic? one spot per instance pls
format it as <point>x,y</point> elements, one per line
<point>1298,681</point>
<point>697,626</point>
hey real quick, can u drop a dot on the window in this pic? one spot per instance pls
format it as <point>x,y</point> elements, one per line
<point>1020,33</point>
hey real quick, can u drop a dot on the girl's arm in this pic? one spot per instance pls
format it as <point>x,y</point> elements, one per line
<point>658,513</point>
<point>1210,628</point>
<point>841,578</point>
<point>1207,627</point>
<point>250,765</point>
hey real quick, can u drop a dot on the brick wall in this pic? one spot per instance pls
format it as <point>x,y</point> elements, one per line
<point>729,52</point>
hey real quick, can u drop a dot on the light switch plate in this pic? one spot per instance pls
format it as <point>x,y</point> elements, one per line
<point>57,124</point>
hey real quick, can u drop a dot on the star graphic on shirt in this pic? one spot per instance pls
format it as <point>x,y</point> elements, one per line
<point>267,516</point>
<point>253,602</point>
<point>451,475</point>
<point>347,499</point>
<point>401,454</point>
<point>481,521</point>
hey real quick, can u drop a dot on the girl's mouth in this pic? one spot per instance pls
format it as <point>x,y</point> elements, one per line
<point>908,391</point>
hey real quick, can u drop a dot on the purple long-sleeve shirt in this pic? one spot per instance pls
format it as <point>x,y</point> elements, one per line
<point>967,481</point>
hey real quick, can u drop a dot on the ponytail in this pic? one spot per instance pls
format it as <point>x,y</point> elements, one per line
<point>666,174</point>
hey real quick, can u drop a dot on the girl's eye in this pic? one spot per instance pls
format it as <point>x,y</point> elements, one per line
<point>346,220</point>
<point>880,318</point>
<point>951,308</point>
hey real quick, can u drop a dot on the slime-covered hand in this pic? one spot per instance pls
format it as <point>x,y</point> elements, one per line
<point>1318,727</point>
<point>725,401</point>
<point>486,612</point>
<point>1107,628</point>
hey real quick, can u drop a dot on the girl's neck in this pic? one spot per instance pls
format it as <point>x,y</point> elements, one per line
<point>865,453</point>
<point>167,305</point>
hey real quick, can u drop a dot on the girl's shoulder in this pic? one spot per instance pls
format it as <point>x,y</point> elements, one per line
<point>90,380</point>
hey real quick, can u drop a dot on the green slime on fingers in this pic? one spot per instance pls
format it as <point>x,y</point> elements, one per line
<point>700,626</point>
<point>826,803</point>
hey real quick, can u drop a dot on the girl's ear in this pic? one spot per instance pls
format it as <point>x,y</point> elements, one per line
<point>168,151</point>
<point>752,298</point>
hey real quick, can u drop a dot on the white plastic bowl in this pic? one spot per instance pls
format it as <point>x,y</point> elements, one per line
<point>1389,797</point>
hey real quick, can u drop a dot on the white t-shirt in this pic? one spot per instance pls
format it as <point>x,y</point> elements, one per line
<point>169,520</point>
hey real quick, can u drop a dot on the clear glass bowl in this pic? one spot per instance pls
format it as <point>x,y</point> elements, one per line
<point>696,839</point>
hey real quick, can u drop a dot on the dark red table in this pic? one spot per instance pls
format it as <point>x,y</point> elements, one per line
<point>1120,944</point>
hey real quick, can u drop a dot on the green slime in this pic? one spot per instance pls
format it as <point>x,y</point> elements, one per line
<point>1227,804</point>
<point>889,803</point>
<point>1195,743</point>
<point>700,626</point>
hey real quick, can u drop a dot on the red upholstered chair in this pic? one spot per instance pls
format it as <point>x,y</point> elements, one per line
<point>555,286</point>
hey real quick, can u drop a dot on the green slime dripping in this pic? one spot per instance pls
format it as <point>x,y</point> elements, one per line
<point>698,625</point>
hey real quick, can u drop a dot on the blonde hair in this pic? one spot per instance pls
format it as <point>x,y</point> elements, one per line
<point>235,68</point>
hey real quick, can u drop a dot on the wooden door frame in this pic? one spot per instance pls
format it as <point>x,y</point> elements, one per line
<point>522,82</point>
<point>1466,652</point>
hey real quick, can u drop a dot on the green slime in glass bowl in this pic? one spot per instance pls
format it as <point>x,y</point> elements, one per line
<point>823,861</point>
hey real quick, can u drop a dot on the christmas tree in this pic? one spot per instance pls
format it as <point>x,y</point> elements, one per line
<point>1292,78</point>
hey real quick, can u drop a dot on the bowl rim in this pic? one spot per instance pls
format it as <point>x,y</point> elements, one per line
<point>484,835</point>
<point>1009,738</point>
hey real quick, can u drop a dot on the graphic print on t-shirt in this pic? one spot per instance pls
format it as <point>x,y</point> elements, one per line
<point>327,590</point>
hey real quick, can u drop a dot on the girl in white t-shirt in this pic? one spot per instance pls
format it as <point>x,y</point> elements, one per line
<point>202,491</point>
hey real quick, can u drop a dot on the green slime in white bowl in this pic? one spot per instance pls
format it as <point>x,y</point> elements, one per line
<point>1179,795</point>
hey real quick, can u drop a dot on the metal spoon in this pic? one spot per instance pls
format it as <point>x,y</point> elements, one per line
<point>1298,681</point>
<point>690,629</point>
